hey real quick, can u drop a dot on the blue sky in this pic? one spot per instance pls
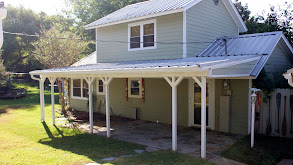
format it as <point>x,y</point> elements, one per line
<point>56,6</point>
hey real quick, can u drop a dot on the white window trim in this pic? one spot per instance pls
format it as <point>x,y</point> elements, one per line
<point>98,92</point>
<point>140,88</point>
<point>81,90</point>
<point>141,34</point>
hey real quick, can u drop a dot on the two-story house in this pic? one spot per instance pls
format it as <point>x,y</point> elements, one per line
<point>181,62</point>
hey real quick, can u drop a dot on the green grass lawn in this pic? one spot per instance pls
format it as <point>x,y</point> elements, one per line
<point>25,140</point>
<point>267,150</point>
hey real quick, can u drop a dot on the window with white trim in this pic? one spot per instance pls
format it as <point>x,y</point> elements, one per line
<point>142,35</point>
<point>100,86</point>
<point>134,87</point>
<point>79,89</point>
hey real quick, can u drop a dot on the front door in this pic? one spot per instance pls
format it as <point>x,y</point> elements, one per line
<point>197,105</point>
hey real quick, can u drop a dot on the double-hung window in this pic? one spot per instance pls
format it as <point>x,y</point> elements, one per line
<point>100,86</point>
<point>135,87</point>
<point>79,89</point>
<point>142,35</point>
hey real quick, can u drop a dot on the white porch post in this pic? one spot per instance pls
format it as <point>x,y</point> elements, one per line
<point>173,82</point>
<point>90,80</point>
<point>202,85</point>
<point>42,98</point>
<point>107,81</point>
<point>52,81</point>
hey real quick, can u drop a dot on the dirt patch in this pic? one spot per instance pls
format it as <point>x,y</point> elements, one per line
<point>6,110</point>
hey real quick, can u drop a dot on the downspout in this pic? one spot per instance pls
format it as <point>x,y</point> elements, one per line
<point>96,45</point>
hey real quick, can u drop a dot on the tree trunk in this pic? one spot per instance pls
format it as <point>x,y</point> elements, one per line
<point>61,97</point>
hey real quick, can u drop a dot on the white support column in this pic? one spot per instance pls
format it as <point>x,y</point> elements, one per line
<point>203,117</point>
<point>174,82</point>
<point>202,85</point>
<point>52,81</point>
<point>107,81</point>
<point>90,80</point>
<point>42,98</point>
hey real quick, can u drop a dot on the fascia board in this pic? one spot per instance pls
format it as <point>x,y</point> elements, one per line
<point>136,18</point>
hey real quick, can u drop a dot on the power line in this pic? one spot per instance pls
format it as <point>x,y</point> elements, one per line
<point>109,41</point>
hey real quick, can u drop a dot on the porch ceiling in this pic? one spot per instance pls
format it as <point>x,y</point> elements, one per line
<point>187,67</point>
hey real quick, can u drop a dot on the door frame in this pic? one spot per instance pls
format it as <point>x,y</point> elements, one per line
<point>212,89</point>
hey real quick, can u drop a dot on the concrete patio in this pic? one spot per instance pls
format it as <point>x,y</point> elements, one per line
<point>158,136</point>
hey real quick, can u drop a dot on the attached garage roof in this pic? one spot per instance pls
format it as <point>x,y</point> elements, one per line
<point>153,8</point>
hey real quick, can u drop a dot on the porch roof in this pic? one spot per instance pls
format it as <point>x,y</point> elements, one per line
<point>195,65</point>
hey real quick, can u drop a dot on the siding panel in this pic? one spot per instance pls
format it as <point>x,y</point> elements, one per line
<point>205,22</point>
<point>278,62</point>
<point>169,29</point>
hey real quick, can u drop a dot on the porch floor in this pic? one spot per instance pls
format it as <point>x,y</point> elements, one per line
<point>159,136</point>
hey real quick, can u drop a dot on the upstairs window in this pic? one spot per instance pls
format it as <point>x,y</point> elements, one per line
<point>142,35</point>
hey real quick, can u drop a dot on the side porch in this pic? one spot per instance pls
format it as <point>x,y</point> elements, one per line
<point>173,72</point>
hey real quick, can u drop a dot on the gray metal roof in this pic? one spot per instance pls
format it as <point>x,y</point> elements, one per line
<point>250,44</point>
<point>90,59</point>
<point>141,9</point>
<point>203,63</point>
<point>261,44</point>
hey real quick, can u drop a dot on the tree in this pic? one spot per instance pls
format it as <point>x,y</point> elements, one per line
<point>87,11</point>
<point>54,52</point>
<point>2,72</point>
<point>18,50</point>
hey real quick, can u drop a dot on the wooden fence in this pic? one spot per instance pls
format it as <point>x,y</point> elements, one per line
<point>279,119</point>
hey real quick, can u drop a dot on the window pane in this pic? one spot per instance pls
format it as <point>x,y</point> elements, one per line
<point>135,42</point>
<point>148,29</point>
<point>135,31</point>
<point>76,82</point>
<point>100,82</point>
<point>85,92</point>
<point>85,85</point>
<point>101,89</point>
<point>134,91</point>
<point>148,41</point>
<point>76,92</point>
<point>134,84</point>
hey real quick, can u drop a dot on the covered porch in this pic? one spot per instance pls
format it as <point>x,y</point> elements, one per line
<point>172,71</point>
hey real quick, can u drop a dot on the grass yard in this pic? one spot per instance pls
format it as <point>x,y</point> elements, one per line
<point>25,140</point>
<point>267,150</point>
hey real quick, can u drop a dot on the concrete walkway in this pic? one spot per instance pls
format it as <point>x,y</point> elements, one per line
<point>158,136</point>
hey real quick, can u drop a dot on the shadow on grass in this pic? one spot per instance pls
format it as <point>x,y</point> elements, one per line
<point>93,146</point>
<point>267,150</point>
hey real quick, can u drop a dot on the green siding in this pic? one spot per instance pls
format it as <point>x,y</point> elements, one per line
<point>206,21</point>
<point>157,105</point>
<point>239,105</point>
<point>278,62</point>
<point>169,29</point>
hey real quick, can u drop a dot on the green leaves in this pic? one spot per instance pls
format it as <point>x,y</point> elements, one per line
<point>56,49</point>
